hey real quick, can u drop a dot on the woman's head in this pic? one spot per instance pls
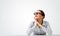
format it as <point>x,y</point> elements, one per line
<point>39,14</point>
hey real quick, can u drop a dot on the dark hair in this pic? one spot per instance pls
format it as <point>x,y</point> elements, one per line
<point>42,13</point>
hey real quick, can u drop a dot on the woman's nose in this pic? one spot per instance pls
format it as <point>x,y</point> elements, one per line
<point>35,15</point>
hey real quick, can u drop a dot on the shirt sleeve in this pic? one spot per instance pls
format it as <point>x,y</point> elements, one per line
<point>47,29</point>
<point>30,29</point>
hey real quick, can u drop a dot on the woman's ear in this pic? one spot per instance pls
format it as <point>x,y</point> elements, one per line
<point>43,17</point>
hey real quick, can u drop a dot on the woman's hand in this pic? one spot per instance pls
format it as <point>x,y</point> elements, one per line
<point>37,24</point>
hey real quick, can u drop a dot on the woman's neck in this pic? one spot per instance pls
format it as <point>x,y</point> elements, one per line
<point>40,21</point>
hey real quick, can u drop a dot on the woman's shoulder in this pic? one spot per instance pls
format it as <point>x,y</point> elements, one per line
<point>46,22</point>
<point>31,24</point>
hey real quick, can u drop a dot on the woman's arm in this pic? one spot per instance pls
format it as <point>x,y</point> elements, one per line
<point>47,29</point>
<point>30,28</point>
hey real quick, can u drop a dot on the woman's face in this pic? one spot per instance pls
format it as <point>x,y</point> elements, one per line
<point>38,16</point>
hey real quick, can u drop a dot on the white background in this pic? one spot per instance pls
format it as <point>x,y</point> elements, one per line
<point>16,15</point>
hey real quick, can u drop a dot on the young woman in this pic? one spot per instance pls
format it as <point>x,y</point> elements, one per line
<point>39,26</point>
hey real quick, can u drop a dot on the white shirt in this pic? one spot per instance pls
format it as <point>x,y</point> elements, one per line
<point>45,30</point>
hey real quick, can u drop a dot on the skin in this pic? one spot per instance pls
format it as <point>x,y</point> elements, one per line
<point>38,19</point>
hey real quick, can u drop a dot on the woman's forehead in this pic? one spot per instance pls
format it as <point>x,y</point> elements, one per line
<point>37,11</point>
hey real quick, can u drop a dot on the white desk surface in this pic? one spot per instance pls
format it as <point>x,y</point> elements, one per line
<point>31,35</point>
